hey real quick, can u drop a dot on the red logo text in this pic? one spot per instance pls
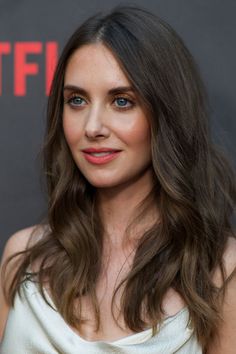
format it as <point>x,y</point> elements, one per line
<point>24,68</point>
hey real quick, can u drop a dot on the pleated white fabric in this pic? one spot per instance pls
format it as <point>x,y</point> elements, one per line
<point>33,327</point>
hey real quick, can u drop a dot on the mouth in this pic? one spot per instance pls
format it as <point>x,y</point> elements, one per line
<point>100,157</point>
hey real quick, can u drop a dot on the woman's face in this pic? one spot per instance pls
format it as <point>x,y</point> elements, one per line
<point>103,112</point>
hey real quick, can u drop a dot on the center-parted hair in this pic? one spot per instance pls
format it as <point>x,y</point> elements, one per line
<point>194,186</point>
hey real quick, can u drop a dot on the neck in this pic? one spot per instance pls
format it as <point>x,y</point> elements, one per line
<point>117,207</point>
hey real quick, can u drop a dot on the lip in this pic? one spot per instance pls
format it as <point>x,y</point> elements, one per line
<point>99,160</point>
<point>102,149</point>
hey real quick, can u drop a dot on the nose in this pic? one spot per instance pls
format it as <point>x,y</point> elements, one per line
<point>95,126</point>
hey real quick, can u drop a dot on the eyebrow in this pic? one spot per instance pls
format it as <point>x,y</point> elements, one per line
<point>113,91</point>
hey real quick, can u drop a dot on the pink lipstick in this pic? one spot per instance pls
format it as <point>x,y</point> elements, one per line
<point>101,155</point>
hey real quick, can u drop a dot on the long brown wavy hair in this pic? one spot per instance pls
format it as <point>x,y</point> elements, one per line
<point>194,186</point>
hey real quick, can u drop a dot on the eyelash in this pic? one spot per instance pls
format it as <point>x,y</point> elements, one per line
<point>131,103</point>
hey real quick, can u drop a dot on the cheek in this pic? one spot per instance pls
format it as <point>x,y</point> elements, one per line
<point>139,135</point>
<point>71,130</point>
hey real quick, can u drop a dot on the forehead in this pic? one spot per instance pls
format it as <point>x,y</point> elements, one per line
<point>94,64</point>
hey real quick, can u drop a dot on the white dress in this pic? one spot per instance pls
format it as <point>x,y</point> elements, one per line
<point>33,327</point>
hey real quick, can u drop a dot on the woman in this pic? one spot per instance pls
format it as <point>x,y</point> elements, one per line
<point>138,253</point>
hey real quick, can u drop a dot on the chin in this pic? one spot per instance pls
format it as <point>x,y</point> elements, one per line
<point>102,184</point>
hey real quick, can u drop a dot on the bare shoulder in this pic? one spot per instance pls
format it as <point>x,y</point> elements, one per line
<point>225,341</point>
<point>230,256</point>
<point>18,242</point>
<point>229,259</point>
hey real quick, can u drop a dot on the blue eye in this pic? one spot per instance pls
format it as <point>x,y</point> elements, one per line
<point>76,101</point>
<point>122,102</point>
